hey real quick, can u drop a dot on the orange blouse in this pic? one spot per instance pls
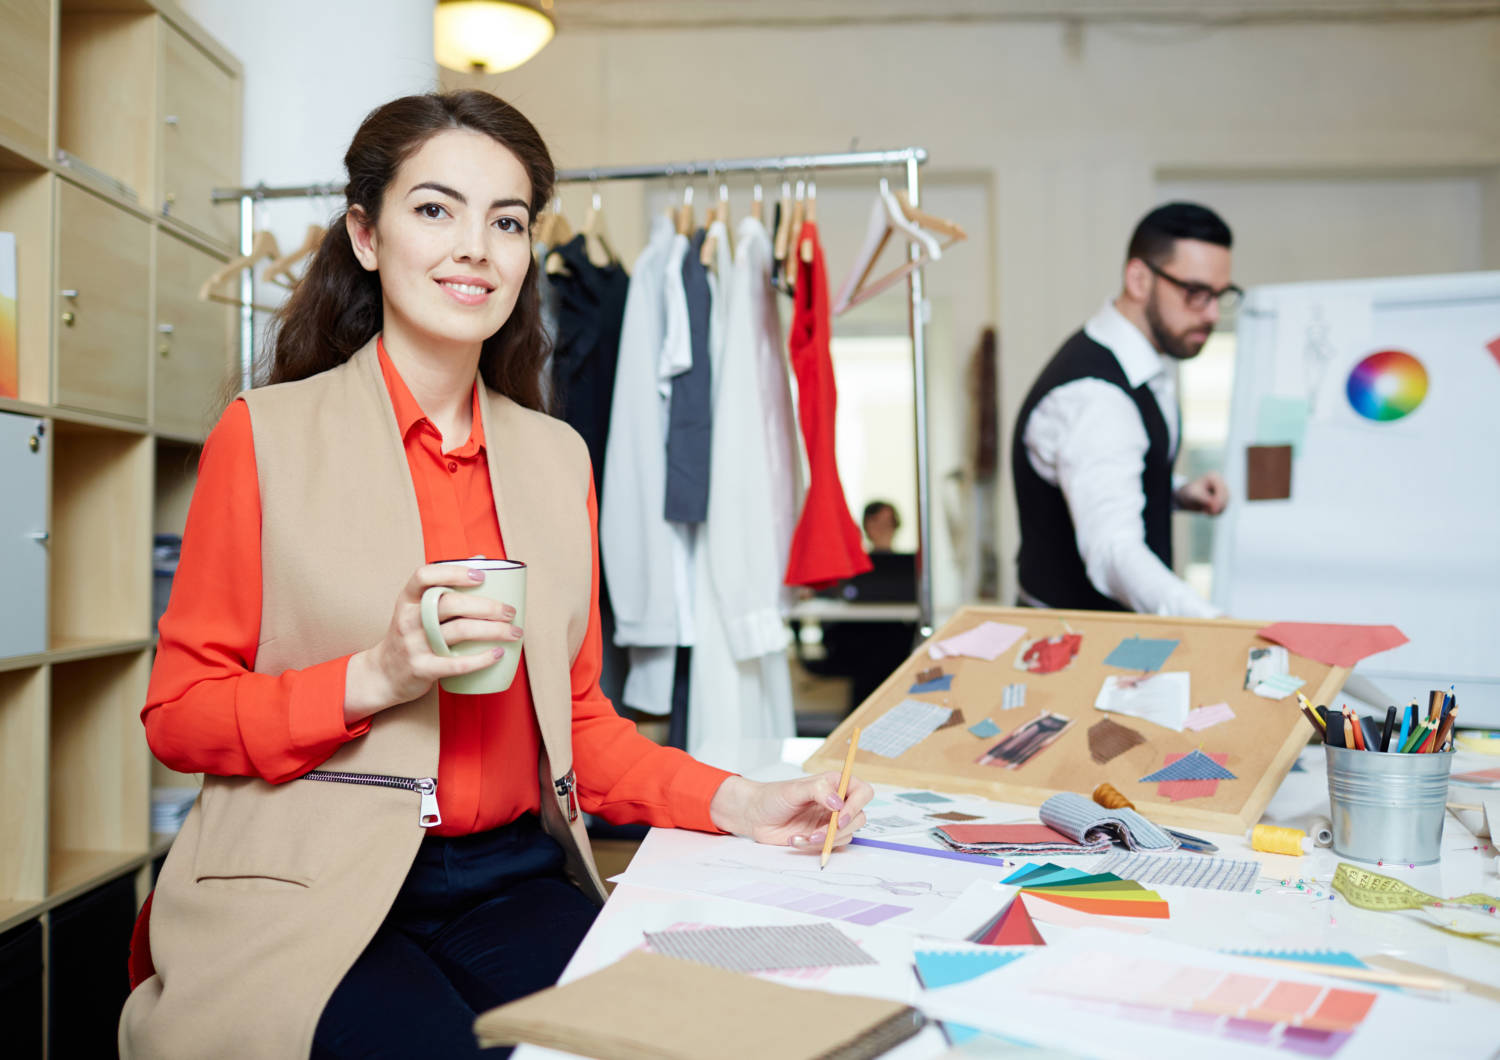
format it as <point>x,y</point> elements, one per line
<point>207,711</point>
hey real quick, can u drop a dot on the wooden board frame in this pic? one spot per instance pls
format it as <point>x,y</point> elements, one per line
<point>1262,739</point>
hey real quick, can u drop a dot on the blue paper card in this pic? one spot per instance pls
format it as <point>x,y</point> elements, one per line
<point>1140,653</point>
<point>940,968</point>
<point>937,684</point>
<point>985,729</point>
<point>1281,421</point>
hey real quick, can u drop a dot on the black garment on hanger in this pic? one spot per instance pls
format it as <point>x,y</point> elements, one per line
<point>690,414</point>
<point>590,306</point>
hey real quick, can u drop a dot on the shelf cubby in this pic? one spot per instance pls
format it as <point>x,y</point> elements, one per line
<point>25,56</point>
<point>98,790</point>
<point>101,537</point>
<point>106,95</point>
<point>26,210</point>
<point>192,365</point>
<point>23,786</point>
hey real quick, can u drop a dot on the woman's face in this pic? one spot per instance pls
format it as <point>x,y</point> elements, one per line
<point>453,243</point>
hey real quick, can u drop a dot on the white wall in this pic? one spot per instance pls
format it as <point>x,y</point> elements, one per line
<point>1068,129</point>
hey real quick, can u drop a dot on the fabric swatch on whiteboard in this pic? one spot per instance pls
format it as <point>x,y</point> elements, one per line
<point>1140,653</point>
<point>761,949</point>
<point>1109,739</point>
<point>902,727</point>
<point>1048,655</point>
<point>1200,718</point>
<point>1281,421</point>
<point>1268,472</point>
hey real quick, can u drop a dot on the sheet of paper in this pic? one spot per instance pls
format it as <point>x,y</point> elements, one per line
<point>1162,698</point>
<point>1268,472</point>
<point>1264,663</point>
<point>1064,916</point>
<point>975,906</point>
<point>761,948</point>
<point>1335,645</point>
<point>1140,653</point>
<point>987,641</point>
<point>902,727</point>
<point>1281,420</point>
<point>1200,718</point>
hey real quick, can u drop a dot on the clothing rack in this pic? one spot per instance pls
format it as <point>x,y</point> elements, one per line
<point>909,158</point>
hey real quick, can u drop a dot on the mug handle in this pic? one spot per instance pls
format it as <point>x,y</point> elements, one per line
<point>430,623</point>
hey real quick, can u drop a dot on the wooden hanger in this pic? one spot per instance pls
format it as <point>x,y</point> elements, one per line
<point>685,212</point>
<point>806,247</point>
<point>896,214</point>
<point>930,222</point>
<point>799,214</point>
<point>558,232</point>
<point>718,215</point>
<point>262,246</point>
<point>757,200</point>
<point>279,271</point>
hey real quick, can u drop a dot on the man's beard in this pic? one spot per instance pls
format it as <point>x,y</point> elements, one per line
<point>1175,346</point>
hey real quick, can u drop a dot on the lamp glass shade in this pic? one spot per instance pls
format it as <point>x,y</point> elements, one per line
<point>489,36</point>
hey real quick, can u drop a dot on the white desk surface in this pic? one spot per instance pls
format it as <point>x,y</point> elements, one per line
<point>1278,917</point>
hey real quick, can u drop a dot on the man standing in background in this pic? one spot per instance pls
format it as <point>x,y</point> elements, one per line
<point>1098,433</point>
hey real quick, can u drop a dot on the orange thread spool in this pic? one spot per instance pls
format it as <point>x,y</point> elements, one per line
<point>1107,796</point>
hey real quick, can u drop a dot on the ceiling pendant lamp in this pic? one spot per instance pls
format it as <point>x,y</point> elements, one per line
<point>489,36</point>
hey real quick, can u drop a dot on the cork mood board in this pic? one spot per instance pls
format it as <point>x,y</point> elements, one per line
<point>1261,741</point>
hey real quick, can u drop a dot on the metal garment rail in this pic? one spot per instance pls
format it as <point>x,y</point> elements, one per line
<point>908,158</point>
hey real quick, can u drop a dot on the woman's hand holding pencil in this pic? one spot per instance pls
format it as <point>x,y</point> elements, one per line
<point>797,813</point>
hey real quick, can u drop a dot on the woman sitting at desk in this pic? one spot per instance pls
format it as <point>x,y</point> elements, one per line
<point>366,916</point>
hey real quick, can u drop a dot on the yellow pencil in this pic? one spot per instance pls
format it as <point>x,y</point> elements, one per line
<point>833,820</point>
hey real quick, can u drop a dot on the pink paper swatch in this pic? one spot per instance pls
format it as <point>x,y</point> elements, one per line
<point>1206,717</point>
<point>986,641</point>
<point>1333,644</point>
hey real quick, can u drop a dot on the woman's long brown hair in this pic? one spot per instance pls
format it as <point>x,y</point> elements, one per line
<point>336,308</point>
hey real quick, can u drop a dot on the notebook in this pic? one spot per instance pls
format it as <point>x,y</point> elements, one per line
<point>638,1009</point>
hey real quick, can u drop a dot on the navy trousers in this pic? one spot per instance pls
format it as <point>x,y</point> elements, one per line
<point>481,920</point>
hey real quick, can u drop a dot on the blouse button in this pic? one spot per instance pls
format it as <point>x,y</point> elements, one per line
<point>452,466</point>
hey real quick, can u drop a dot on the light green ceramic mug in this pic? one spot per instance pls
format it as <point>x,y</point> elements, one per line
<point>504,581</point>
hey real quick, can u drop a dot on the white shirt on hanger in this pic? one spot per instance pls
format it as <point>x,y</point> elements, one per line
<point>741,684</point>
<point>1086,437</point>
<point>635,541</point>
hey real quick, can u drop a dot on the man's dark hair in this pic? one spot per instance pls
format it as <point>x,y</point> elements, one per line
<point>874,508</point>
<point>1157,234</point>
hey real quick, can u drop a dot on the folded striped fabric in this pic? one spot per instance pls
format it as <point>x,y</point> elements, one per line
<point>1014,839</point>
<point>1087,822</point>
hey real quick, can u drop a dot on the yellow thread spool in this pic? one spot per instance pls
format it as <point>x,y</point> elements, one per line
<point>1276,840</point>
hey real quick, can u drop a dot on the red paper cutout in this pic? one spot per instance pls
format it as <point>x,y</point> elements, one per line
<point>1335,645</point>
<point>1177,790</point>
<point>1051,654</point>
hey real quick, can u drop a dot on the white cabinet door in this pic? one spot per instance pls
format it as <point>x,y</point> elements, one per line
<point>23,535</point>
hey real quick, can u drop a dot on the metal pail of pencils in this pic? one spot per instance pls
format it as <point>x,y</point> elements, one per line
<point>1386,806</point>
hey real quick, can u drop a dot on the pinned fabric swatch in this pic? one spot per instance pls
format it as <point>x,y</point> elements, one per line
<point>1013,697</point>
<point>985,729</point>
<point>1109,739</point>
<point>1334,645</point>
<point>932,673</point>
<point>1281,421</point>
<point>987,641</point>
<point>1195,765</point>
<point>1011,927</point>
<point>1213,874</point>
<point>939,968</point>
<point>761,949</point>
<point>1140,653</point>
<point>937,684</point>
<point>1163,699</point>
<point>1278,687</point>
<point>1047,655</point>
<point>902,727</point>
<point>1268,472</point>
<point>1194,785</point>
<point>1084,821</point>
<point>1201,718</point>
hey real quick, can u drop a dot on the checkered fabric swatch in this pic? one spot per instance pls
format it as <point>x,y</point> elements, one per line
<point>902,727</point>
<point>761,949</point>
<point>1213,874</point>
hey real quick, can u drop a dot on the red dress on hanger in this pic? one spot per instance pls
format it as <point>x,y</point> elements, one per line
<point>826,546</point>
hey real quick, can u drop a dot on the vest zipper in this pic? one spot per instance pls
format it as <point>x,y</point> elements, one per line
<point>567,795</point>
<point>427,816</point>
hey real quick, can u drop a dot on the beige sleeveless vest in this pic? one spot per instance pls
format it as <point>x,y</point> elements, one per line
<point>270,892</point>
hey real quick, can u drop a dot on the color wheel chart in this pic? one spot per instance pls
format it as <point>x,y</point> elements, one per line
<point>1301,1018</point>
<point>1386,385</point>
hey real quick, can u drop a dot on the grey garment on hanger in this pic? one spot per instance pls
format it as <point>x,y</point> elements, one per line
<point>690,415</point>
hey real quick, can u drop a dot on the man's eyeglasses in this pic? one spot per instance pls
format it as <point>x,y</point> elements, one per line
<point>1198,295</point>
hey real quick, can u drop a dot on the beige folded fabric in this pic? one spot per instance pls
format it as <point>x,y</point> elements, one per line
<point>650,1007</point>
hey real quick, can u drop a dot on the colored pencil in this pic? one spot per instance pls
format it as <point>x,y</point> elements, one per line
<point>1444,732</point>
<point>833,820</point>
<point>1406,719</point>
<point>1385,733</point>
<point>1352,720</point>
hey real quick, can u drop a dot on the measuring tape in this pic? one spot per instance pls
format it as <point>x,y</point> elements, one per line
<point>1370,890</point>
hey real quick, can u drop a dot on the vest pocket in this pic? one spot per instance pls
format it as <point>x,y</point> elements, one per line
<point>255,831</point>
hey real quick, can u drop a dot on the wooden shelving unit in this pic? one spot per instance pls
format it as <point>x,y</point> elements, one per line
<point>116,118</point>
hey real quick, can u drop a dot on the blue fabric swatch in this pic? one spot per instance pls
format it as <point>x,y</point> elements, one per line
<point>985,729</point>
<point>1193,766</point>
<point>937,684</point>
<point>1140,653</point>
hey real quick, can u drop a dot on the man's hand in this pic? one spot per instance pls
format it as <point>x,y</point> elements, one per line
<point>1207,493</point>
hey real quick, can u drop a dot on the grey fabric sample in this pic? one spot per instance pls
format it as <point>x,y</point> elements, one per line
<point>761,949</point>
<point>1084,821</point>
<point>690,414</point>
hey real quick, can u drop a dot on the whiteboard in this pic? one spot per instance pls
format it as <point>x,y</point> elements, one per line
<point>1392,521</point>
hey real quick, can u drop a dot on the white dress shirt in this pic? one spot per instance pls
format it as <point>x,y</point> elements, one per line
<point>1086,438</point>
